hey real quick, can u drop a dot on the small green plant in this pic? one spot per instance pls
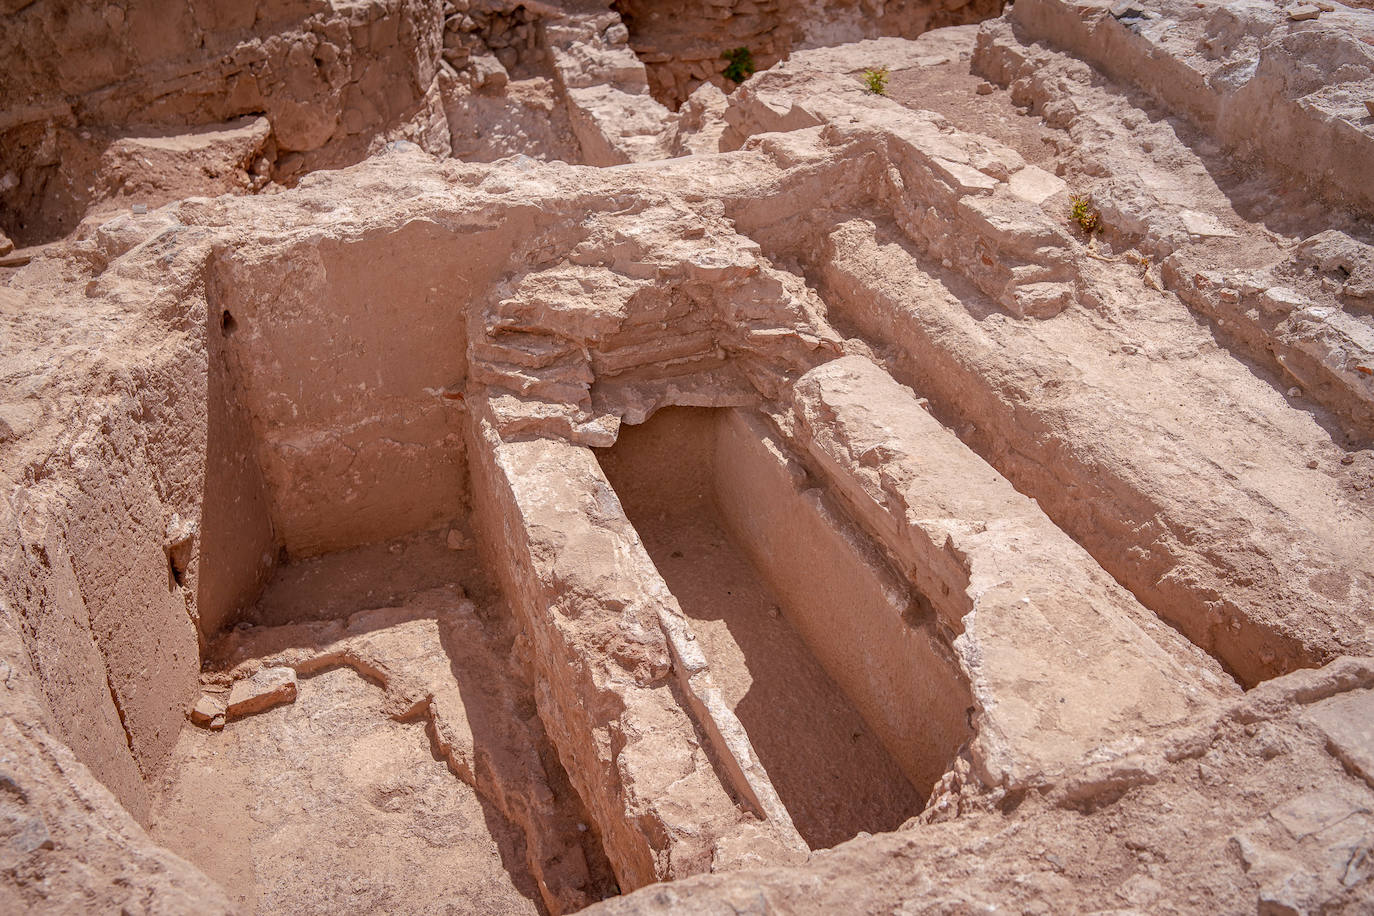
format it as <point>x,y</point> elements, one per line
<point>1087,216</point>
<point>876,80</point>
<point>740,65</point>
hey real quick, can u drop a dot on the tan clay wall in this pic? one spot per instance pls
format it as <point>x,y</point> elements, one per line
<point>237,544</point>
<point>112,633</point>
<point>350,358</point>
<point>70,670</point>
<point>858,619</point>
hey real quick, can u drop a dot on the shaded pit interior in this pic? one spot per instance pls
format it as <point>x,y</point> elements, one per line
<point>287,807</point>
<point>830,769</point>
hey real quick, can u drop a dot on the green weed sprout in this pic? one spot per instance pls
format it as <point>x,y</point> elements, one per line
<point>740,66</point>
<point>876,80</point>
<point>1087,216</point>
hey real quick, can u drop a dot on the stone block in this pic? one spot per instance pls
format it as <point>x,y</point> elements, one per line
<point>269,687</point>
<point>1348,723</point>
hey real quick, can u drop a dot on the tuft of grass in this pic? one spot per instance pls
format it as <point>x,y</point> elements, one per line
<point>876,80</point>
<point>739,66</point>
<point>1088,218</point>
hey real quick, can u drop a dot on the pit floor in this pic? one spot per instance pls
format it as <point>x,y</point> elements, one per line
<point>329,806</point>
<point>832,774</point>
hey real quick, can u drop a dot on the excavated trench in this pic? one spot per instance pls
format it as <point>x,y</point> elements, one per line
<point>487,620</point>
<point>420,744</point>
<point>289,805</point>
<point>776,651</point>
<point>691,486</point>
<point>407,769</point>
<point>465,612</point>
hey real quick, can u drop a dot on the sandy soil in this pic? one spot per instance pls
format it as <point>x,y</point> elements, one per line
<point>328,806</point>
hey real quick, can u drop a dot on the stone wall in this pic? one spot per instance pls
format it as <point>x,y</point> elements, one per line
<point>328,77</point>
<point>683,42</point>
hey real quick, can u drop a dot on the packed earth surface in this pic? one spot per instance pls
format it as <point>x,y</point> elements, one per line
<point>697,456</point>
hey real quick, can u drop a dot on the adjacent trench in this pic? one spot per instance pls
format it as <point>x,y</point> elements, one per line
<point>798,671</point>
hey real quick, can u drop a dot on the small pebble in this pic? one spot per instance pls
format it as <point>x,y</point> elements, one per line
<point>1312,464</point>
<point>984,88</point>
<point>1295,392</point>
<point>1347,459</point>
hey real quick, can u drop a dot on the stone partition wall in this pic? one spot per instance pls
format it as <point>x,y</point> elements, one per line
<point>663,767</point>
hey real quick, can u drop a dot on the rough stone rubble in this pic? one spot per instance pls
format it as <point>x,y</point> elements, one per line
<point>307,301</point>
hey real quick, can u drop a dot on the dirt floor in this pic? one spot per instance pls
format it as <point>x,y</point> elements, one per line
<point>340,801</point>
<point>329,806</point>
<point>950,88</point>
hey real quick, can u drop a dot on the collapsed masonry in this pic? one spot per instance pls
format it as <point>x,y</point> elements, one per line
<point>802,512</point>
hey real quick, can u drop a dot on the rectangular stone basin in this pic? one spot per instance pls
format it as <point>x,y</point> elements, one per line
<point>822,653</point>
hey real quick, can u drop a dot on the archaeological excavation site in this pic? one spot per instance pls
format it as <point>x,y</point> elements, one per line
<point>687,456</point>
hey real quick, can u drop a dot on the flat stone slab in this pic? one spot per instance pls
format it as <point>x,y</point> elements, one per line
<point>208,712</point>
<point>1313,812</point>
<point>269,687</point>
<point>1205,225</point>
<point>1035,185</point>
<point>1348,723</point>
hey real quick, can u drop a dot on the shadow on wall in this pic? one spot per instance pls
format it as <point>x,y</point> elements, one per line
<point>237,544</point>
<point>567,851</point>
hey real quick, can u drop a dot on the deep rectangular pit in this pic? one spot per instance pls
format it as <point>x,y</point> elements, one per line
<point>853,724</point>
<point>409,773</point>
